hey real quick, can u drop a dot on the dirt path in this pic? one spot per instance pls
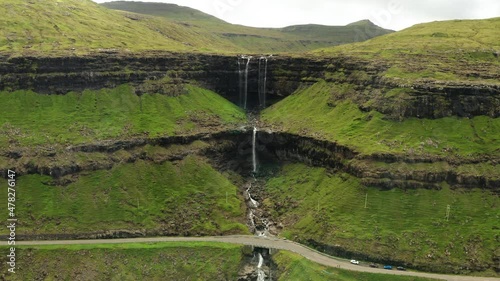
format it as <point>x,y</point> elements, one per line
<point>263,242</point>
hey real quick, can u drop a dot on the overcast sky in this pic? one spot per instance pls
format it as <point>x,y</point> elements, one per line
<point>393,14</point>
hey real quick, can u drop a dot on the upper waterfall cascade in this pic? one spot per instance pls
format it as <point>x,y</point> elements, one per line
<point>243,82</point>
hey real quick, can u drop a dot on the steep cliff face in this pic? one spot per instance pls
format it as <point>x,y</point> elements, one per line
<point>385,172</point>
<point>365,82</point>
<point>371,89</point>
<point>59,75</point>
<point>232,151</point>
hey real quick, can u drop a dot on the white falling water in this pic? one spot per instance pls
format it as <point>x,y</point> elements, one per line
<point>240,81</point>
<point>254,203</point>
<point>261,261</point>
<point>264,86</point>
<point>251,218</point>
<point>254,156</point>
<point>246,82</point>
<point>259,87</point>
<point>262,82</point>
<point>260,273</point>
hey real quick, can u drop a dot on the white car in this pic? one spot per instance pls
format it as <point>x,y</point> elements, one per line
<point>354,262</point>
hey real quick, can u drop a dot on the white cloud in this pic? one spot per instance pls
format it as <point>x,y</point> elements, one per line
<point>393,14</point>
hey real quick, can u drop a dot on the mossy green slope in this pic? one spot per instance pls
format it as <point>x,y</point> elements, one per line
<point>309,112</point>
<point>159,261</point>
<point>166,261</point>
<point>445,50</point>
<point>408,226</point>
<point>30,119</point>
<point>297,268</point>
<point>443,36</point>
<point>50,27</point>
<point>177,198</point>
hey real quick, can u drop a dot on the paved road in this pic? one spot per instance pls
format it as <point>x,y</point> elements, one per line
<point>263,242</point>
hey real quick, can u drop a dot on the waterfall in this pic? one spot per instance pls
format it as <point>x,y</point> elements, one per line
<point>251,218</point>
<point>254,203</point>
<point>243,72</point>
<point>259,87</point>
<point>261,261</point>
<point>246,83</point>
<point>262,82</point>
<point>243,79</point>
<point>260,273</point>
<point>264,86</point>
<point>254,156</point>
<point>240,81</point>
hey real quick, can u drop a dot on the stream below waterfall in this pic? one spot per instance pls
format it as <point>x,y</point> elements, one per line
<point>258,222</point>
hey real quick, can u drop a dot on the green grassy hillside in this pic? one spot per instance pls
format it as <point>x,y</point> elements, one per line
<point>289,39</point>
<point>186,197</point>
<point>295,268</point>
<point>166,261</point>
<point>409,226</point>
<point>309,112</point>
<point>110,114</point>
<point>405,225</point>
<point>442,36</point>
<point>159,261</point>
<point>52,27</point>
<point>449,50</point>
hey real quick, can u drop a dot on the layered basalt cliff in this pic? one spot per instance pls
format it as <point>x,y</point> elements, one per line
<point>383,172</point>
<point>220,73</point>
<point>59,75</point>
<point>231,150</point>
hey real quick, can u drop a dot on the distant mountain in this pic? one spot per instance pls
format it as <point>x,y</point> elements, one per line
<point>354,32</point>
<point>443,50</point>
<point>289,39</point>
<point>444,36</point>
<point>170,11</point>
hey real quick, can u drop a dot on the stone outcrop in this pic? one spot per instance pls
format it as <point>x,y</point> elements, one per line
<point>424,99</point>
<point>231,150</point>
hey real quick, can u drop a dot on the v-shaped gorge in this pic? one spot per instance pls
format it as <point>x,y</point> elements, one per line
<point>340,179</point>
<point>351,155</point>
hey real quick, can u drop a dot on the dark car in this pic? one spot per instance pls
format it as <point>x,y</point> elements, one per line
<point>373,265</point>
<point>401,268</point>
<point>389,267</point>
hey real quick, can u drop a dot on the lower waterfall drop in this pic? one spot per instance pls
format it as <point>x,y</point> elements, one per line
<point>261,275</point>
<point>254,156</point>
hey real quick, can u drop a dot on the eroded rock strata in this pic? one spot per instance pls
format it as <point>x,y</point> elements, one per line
<point>421,98</point>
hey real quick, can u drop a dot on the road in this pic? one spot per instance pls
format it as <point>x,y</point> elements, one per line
<point>264,242</point>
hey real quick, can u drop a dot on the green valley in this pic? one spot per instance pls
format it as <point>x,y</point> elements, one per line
<point>133,120</point>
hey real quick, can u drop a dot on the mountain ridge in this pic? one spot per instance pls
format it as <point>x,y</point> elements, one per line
<point>301,37</point>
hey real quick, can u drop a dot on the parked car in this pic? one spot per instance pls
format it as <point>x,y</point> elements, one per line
<point>389,267</point>
<point>401,268</point>
<point>373,265</point>
<point>354,262</point>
